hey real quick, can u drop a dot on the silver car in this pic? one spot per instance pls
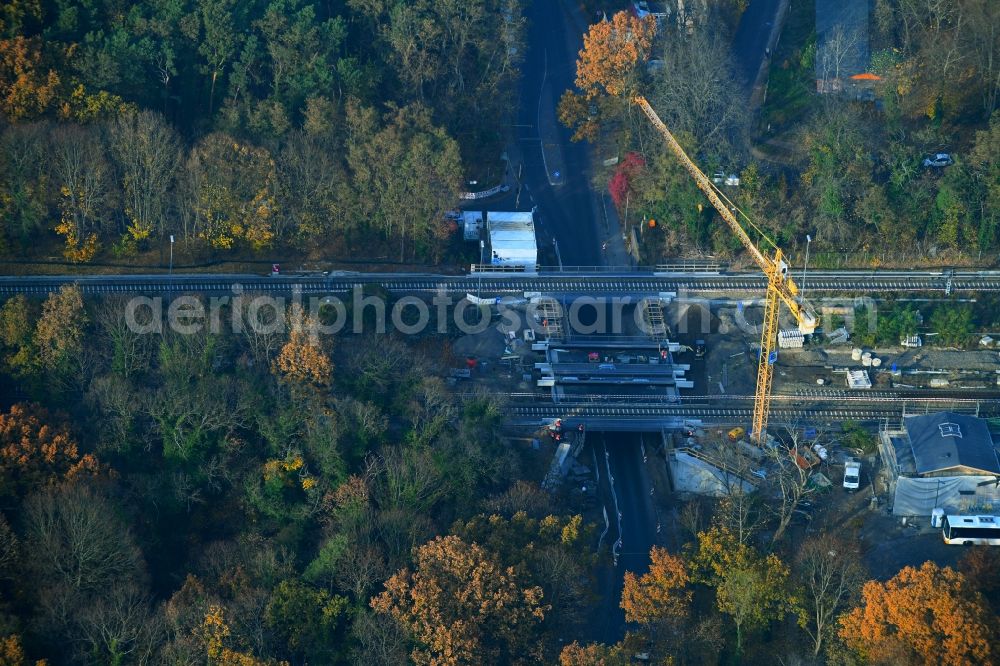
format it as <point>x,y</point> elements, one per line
<point>939,160</point>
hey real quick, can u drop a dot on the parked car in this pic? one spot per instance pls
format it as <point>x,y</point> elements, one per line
<point>939,160</point>
<point>852,474</point>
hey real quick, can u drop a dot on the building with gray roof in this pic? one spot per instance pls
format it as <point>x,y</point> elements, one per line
<point>945,460</point>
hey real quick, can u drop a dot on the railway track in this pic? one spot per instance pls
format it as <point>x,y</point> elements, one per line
<point>633,284</point>
<point>729,414</point>
<point>829,406</point>
<point>807,396</point>
<point>716,414</point>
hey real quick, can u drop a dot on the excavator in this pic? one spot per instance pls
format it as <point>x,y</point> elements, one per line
<point>780,286</point>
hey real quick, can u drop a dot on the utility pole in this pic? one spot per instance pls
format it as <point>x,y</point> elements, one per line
<point>171,269</point>
<point>479,287</point>
<point>802,287</point>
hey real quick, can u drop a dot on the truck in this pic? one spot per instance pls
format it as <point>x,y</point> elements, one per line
<point>852,473</point>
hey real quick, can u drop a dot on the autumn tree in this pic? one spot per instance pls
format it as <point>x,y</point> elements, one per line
<point>551,552</point>
<point>750,588</point>
<point>407,173</point>
<point>753,594</point>
<point>593,654</point>
<point>302,361</point>
<point>981,567</point>
<point>24,182</point>
<point>146,152</point>
<point>12,652</point>
<point>17,326</point>
<point>660,594</point>
<point>86,189</point>
<point>611,51</point>
<point>462,607</point>
<point>829,573</point>
<point>27,87</point>
<point>60,328</point>
<point>581,115</point>
<point>606,68</point>
<point>36,450</point>
<point>929,615</point>
<point>215,633</point>
<point>234,192</point>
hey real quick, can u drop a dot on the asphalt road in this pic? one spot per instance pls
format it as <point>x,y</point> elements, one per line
<point>638,520</point>
<point>751,37</point>
<point>565,208</point>
<point>567,211</point>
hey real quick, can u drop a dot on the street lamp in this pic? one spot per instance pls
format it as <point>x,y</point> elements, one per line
<point>802,287</point>
<point>171,270</point>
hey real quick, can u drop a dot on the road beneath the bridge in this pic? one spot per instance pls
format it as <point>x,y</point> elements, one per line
<point>557,174</point>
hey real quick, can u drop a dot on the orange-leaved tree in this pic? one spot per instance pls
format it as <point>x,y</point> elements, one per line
<point>303,361</point>
<point>26,89</point>
<point>12,652</point>
<point>215,634</point>
<point>462,607</point>
<point>929,615</point>
<point>594,654</point>
<point>660,594</point>
<point>60,329</point>
<point>611,51</point>
<point>37,449</point>
<point>606,69</point>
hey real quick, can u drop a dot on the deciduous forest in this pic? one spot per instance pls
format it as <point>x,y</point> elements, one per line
<point>240,495</point>
<point>242,126</point>
<point>255,496</point>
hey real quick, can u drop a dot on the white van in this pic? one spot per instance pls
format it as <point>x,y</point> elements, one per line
<point>852,474</point>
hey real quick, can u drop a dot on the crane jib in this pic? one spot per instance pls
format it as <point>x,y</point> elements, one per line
<point>779,285</point>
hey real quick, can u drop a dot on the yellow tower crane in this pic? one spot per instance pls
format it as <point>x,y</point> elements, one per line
<point>779,284</point>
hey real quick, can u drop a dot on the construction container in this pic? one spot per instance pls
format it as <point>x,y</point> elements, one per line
<point>790,339</point>
<point>856,354</point>
<point>939,382</point>
<point>858,379</point>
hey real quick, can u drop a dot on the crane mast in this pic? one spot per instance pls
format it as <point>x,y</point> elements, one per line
<point>780,286</point>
